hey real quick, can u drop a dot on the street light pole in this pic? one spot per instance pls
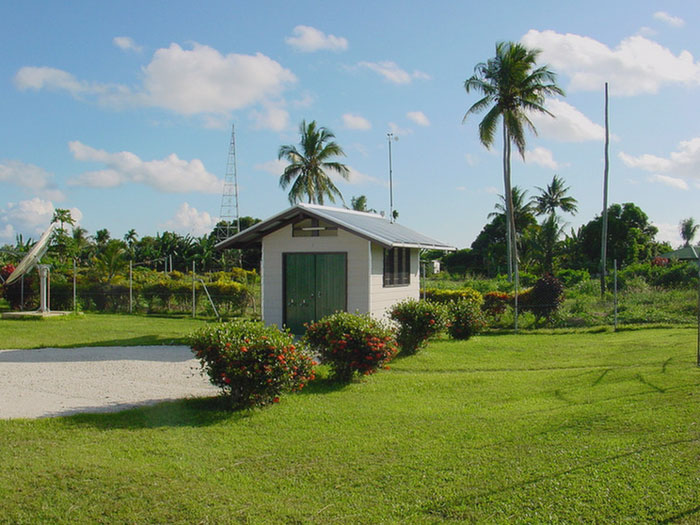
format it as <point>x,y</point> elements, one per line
<point>390,136</point>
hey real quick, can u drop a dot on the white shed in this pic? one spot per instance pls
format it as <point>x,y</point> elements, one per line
<point>317,260</point>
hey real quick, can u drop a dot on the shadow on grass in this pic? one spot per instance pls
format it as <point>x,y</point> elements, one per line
<point>197,412</point>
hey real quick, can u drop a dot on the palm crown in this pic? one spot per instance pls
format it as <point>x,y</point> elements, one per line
<point>307,169</point>
<point>554,197</point>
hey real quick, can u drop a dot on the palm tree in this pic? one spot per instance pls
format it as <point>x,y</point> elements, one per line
<point>554,197</point>
<point>512,86</point>
<point>522,209</point>
<point>306,171</point>
<point>545,242</point>
<point>688,229</point>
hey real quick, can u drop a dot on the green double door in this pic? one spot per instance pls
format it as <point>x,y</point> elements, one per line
<point>315,285</point>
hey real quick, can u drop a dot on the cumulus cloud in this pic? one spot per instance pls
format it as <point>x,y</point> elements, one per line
<point>30,177</point>
<point>126,43</point>
<point>196,81</point>
<point>668,233</point>
<point>309,39</point>
<point>637,65</point>
<point>673,21</point>
<point>188,219</point>
<point>272,116</point>
<point>29,218</point>
<point>568,124</point>
<point>169,175</point>
<point>351,121</point>
<point>418,117</point>
<point>673,182</point>
<point>393,73</point>
<point>541,157</point>
<point>355,178</point>
<point>398,131</point>
<point>273,167</point>
<point>685,162</point>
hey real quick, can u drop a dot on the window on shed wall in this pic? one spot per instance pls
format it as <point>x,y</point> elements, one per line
<point>314,228</point>
<point>397,267</point>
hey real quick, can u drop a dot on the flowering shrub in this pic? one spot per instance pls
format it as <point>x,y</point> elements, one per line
<point>351,343</point>
<point>13,293</point>
<point>495,304</point>
<point>465,318</point>
<point>417,322</point>
<point>544,298</point>
<point>444,296</point>
<point>252,363</point>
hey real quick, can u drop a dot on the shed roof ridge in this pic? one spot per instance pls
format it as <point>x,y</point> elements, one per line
<point>344,210</point>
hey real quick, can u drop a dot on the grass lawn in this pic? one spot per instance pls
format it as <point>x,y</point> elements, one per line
<point>95,330</point>
<point>562,428</point>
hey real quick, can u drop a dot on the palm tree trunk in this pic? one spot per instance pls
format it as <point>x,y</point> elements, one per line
<point>511,221</point>
<point>509,202</point>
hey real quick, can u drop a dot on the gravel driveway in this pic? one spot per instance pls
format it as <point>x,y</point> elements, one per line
<point>51,382</point>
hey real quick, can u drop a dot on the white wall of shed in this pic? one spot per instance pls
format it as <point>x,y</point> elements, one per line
<point>381,298</point>
<point>281,241</point>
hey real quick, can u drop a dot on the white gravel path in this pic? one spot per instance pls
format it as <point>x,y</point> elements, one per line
<point>51,382</point>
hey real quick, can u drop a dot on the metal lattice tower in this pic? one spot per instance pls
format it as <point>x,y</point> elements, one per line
<point>229,197</point>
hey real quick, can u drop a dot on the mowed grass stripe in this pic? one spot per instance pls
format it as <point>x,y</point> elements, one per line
<point>562,428</point>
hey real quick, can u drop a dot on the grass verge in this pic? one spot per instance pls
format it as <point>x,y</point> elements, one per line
<point>556,428</point>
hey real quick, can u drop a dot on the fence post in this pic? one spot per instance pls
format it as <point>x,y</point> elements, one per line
<point>194,298</point>
<point>75,302</point>
<point>615,292</point>
<point>131,294</point>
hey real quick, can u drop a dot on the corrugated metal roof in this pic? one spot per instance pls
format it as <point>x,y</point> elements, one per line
<point>370,226</point>
<point>687,252</point>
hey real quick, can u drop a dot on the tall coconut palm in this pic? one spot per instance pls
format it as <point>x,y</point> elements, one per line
<point>688,229</point>
<point>522,209</point>
<point>307,170</point>
<point>513,87</point>
<point>554,197</point>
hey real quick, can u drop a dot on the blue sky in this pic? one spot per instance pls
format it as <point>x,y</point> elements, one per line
<point>122,111</point>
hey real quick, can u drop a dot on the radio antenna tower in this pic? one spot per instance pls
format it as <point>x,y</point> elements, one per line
<point>229,197</point>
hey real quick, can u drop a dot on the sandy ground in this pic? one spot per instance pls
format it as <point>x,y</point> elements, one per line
<point>51,382</point>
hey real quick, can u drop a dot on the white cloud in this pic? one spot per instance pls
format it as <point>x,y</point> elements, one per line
<point>393,73</point>
<point>351,121</point>
<point>664,17</point>
<point>30,177</point>
<point>273,167</point>
<point>541,157</point>
<point>673,182</point>
<point>126,43</point>
<point>197,81</point>
<point>357,177</point>
<point>309,39</point>
<point>461,188</point>
<point>418,117</point>
<point>669,233</point>
<point>637,65</point>
<point>568,124</point>
<point>190,220</point>
<point>272,116</point>
<point>472,160</point>
<point>492,190</point>
<point>29,218</point>
<point>646,31</point>
<point>398,131</point>
<point>169,175</point>
<point>682,163</point>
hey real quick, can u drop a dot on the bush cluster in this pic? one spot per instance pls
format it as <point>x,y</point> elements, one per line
<point>351,344</point>
<point>496,304</point>
<point>417,321</point>
<point>465,318</point>
<point>544,298</point>
<point>437,295</point>
<point>253,364</point>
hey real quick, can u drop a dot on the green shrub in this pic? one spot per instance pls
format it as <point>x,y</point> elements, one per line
<point>495,304</point>
<point>445,296</point>
<point>351,343</point>
<point>569,277</point>
<point>465,318</point>
<point>253,364</point>
<point>543,299</point>
<point>417,322</point>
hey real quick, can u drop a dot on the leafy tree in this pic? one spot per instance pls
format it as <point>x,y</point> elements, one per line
<point>307,170</point>
<point>522,209</point>
<point>544,242</point>
<point>359,203</point>
<point>554,197</point>
<point>513,86</point>
<point>111,260</point>
<point>62,216</point>
<point>688,229</point>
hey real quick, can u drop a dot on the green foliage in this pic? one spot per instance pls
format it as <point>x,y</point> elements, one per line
<point>544,298</point>
<point>417,322</point>
<point>14,293</point>
<point>569,277</point>
<point>351,344</point>
<point>437,295</point>
<point>251,363</point>
<point>495,304</point>
<point>465,317</point>
<point>678,274</point>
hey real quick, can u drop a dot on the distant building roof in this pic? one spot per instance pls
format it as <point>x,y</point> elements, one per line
<point>685,253</point>
<point>370,226</point>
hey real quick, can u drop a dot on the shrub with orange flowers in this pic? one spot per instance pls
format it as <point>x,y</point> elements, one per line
<point>417,322</point>
<point>351,344</point>
<point>253,364</point>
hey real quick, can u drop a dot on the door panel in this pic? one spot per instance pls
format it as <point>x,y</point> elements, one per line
<point>330,283</point>
<point>299,290</point>
<point>315,285</point>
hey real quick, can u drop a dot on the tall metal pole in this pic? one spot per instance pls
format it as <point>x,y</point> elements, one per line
<point>604,237</point>
<point>390,137</point>
<point>194,297</point>
<point>697,261</point>
<point>75,270</point>
<point>131,286</point>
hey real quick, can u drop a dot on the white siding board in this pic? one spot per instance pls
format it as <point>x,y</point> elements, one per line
<point>383,298</point>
